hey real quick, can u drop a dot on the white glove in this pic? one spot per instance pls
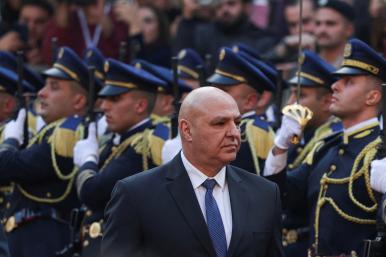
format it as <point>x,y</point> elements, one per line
<point>378,175</point>
<point>289,128</point>
<point>15,128</point>
<point>87,149</point>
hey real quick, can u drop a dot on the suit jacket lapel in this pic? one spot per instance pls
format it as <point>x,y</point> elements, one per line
<point>239,206</point>
<point>181,189</point>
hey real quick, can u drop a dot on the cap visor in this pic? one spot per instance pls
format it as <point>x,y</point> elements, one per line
<point>304,82</point>
<point>109,90</point>
<point>350,71</point>
<point>56,73</point>
<point>222,80</point>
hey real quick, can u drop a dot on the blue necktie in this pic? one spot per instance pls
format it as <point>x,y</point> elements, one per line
<point>214,221</point>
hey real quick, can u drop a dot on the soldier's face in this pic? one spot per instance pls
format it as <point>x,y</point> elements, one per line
<point>122,110</point>
<point>214,132</point>
<point>292,17</point>
<point>58,99</point>
<point>350,97</point>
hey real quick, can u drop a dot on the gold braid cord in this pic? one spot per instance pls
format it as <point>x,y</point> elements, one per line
<point>139,142</point>
<point>247,137</point>
<point>365,156</point>
<point>70,177</point>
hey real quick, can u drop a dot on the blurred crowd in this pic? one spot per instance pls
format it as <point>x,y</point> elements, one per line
<point>155,30</point>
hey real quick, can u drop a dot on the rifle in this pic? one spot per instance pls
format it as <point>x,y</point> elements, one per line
<point>91,116</point>
<point>123,51</point>
<point>74,249</point>
<point>20,95</point>
<point>201,75</point>
<point>177,97</point>
<point>377,246</point>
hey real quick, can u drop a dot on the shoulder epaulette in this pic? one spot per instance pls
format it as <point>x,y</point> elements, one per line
<point>258,122</point>
<point>65,134</point>
<point>162,131</point>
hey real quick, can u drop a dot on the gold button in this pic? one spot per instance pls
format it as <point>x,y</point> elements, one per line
<point>48,194</point>
<point>8,205</point>
<point>88,213</point>
<point>10,224</point>
<point>86,243</point>
<point>299,149</point>
<point>290,166</point>
<point>341,151</point>
<point>95,230</point>
<point>332,167</point>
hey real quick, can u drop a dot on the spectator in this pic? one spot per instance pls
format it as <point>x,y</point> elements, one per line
<point>287,49</point>
<point>35,14</point>
<point>378,37</point>
<point>28,33</point>
<point>230,26</point>
<point>334,26</point>
<point>100,28</point>
<point>149,32</point>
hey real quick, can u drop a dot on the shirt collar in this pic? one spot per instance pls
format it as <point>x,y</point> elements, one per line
<point>361,126</point>
<point>197,177</point>
<point>117,137</point>
<point>248,114</point>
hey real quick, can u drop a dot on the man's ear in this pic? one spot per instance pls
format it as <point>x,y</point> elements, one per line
<point>80,102</point>
<point>185,130</point>
<point>373,97</point>
<point>141,105</point>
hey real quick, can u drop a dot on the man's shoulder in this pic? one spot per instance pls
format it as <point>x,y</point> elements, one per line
<point>145,179</point>
<point>252,179</point>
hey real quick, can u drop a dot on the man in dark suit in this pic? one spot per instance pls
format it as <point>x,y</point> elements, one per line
<point>197,204</point>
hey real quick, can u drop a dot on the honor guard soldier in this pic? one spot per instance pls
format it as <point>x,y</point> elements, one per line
<point>189,64</point>
<point>37,214</point>
<point>264,108</point>
<point>245,83</point>
<point>315,93</point>
<point>9,61</point>
<point>164,103</point>
<point>333,182</point>
<point>128,99</point>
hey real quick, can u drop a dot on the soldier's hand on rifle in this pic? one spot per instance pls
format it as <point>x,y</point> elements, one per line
<point>378,175</point>
<point>15,128</point>
<point>87,150</point>
<point>289,128</point>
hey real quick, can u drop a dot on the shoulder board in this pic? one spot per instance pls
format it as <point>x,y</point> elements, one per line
<point>162,131</point>
<point>258,122</point>
<point>65,134</point>
<point>71,123</point>
<point>336,126</point>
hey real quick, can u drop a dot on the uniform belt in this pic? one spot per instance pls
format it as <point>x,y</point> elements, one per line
<point>311,253</point>
<point>26,215</point>
<point>291,236</point>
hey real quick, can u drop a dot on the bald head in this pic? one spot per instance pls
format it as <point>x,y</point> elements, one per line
<point>208,125</point>
<point>200,99</point>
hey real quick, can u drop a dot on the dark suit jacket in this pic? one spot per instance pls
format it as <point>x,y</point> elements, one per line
<point>156,213</point>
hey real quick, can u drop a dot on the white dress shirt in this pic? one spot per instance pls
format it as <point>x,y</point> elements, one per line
<point>220,194</point>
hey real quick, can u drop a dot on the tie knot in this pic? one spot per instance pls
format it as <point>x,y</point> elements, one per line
<point>209,184</point>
